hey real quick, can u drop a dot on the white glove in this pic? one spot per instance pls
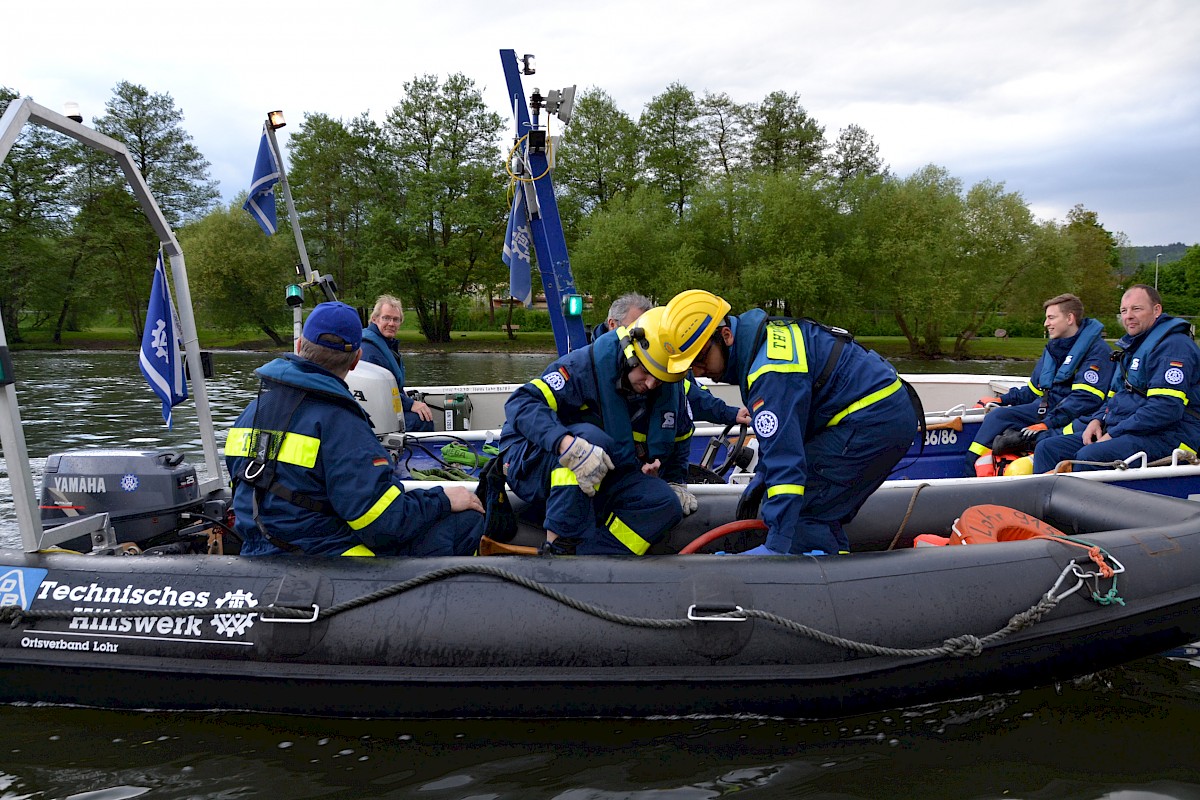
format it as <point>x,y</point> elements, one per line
<point>687,500</point>
<point>589,463</point>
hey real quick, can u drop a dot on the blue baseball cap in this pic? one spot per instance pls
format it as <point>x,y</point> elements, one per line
<point>337,319</point>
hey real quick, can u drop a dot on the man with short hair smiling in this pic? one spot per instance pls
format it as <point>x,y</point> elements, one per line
<point>1153,398</point>
<point>381,348</point>
<point>1070,379</point>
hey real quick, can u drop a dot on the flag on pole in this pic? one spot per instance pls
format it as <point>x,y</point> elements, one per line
<point>516,251</point>
<point>261,202</point>
<point>162,358</point>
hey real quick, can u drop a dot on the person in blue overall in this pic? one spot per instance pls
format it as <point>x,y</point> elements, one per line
<point>832,419</point>
<point>1153,398</point>
<point>309,475</point>
<point>1069,380</point>
<point>380,347</point>
<point>705,405</point>
<point>602,439</point>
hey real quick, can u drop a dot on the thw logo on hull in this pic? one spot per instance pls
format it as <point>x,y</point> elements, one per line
<point>17,585</point>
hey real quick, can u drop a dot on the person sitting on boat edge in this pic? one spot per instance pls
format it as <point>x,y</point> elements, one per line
<point>832,420</point>
<point>705,405</point>
<point>1069,380</point>
<point>1153,397</point>
<point>602,439</point>
<point>309,475</point>
<point>381,347</point>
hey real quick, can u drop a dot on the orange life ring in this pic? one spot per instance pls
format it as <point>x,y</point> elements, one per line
<point>988,524</point>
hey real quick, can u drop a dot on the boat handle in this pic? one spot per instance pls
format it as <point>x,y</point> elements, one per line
<point>316,610</point>
<point>696,610</point>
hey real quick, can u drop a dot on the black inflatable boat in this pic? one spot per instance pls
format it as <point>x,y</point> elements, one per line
<point>889,625</point>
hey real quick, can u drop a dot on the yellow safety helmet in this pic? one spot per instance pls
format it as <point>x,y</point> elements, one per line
<point>668,338</point>
<point>1021,466</point>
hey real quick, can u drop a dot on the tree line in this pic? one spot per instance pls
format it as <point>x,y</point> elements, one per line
<point>749,200</point>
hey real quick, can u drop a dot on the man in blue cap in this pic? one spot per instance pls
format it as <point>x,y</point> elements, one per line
<point>309,475</point>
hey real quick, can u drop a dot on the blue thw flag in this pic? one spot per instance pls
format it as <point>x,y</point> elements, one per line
<point>162,358</point>
<point>261,202</point>
<point>516,251</point>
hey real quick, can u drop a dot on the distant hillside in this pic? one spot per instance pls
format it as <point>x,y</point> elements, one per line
<point>1133,257</point>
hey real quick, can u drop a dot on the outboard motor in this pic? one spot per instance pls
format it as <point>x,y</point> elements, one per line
<point>145,492</point>
<point>375,390</point>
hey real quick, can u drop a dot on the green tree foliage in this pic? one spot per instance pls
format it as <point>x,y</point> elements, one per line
<point>108,233</point>
<point>855,154</point>
<point>439,234</point>
<point>1094,260</point>
<point>631,245</point>
<point>1189,266</point>
<point>33,213</point>
<point>748,201</point>
<point>674,144</point>
<point>725,125</point>
<point>1178,280</point>
<point>785,137</point>
<point>915,226</point>
<point>334,180</point>
<point>599,155</point>
<point>995,257</point>
<point>793,265</point>
<point>238,275</point>
<point>150,126</point>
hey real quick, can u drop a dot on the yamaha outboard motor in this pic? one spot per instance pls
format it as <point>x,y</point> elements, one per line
<point>145,492</point>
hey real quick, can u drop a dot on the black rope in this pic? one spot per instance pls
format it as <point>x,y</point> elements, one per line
<point>959,646</point>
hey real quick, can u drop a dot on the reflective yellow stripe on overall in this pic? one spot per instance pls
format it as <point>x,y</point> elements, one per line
<point>296,448</point>
<point>859,405</point>
<point>377,508</point>
<point>627,535</point>
<point>783,345</point>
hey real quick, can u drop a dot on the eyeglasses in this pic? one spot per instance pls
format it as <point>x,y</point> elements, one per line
<point>700,362</point>
<point>390,319</point>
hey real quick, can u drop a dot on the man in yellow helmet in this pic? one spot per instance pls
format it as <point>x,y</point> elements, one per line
<point>832,419</point>
<point>602,438</point>
<point>705,406</point>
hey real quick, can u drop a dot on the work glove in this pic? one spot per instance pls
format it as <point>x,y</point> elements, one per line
<point>1030,434</point>
<point>1017,441</point>
<point>589,463</point>
<point>687,500</point>
<point>987,402</point>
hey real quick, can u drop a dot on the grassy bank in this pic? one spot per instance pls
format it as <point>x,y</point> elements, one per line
<point>114,338</point>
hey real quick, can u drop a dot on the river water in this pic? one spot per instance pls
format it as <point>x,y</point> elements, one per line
<point>1128,733</point>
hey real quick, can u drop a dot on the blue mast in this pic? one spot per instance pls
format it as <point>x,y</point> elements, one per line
<point>532,167</point>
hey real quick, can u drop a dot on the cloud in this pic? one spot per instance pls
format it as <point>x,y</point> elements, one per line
<point>1066,102</point>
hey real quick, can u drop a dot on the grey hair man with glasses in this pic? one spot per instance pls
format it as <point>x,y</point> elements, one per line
<point>379,346</point>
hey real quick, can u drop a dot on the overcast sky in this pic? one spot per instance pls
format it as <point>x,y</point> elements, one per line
<point>1065,101</point>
